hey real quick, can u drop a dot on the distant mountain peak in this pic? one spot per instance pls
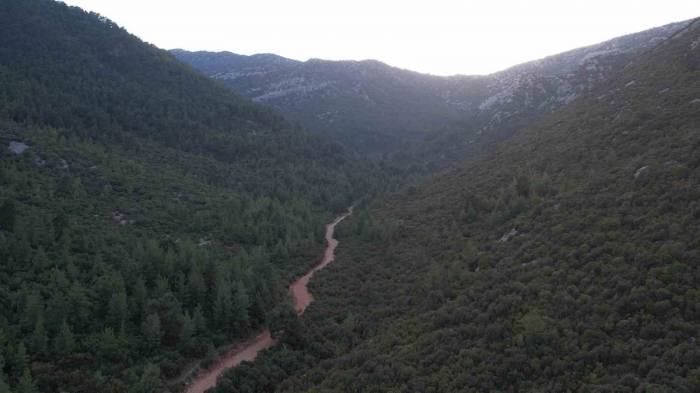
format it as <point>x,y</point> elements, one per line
<point>376,108</point>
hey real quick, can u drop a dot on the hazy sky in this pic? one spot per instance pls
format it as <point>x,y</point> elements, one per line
<point>435,36</point>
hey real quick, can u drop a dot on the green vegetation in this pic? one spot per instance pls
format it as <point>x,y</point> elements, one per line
<point>423,122</point>
<point>148,215</point>
<point>565,260</point>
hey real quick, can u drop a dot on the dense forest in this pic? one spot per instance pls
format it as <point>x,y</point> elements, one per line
<point>150,217</point>
<point>565,260</point>
<point>147,215</point>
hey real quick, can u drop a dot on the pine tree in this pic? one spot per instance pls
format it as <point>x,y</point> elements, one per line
<point>223,304</point>
<point>8,214</point>
<point>32,309</point>
<point>20,360</point>
<point>170,313</point>
<point>241,303</point>
<point>257,308</point>
<point>80,306</point>
<point>39,340</point>
<point>41,260</point>
<point>150,379</point>
<point>4,387</point>
<point>139,298</point>
<point>196,286</point>
<point>26,383</point>
<point>188,329</point>
<point>200,322</point>
<point>117,310</point>
<point>65,341</point>
<point>152,332</point>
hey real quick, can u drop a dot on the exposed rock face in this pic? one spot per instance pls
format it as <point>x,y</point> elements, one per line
<point>18,147</point>
<point>513,232</point>
<point>377,108</point>
<point>641,172</point>
<point>118,218</point>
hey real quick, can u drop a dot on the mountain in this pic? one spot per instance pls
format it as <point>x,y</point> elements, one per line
<point>434,121</point>
<point>147,214</point>
<point>150,217</point>
<point>368,105</point>
<point>565,259</point>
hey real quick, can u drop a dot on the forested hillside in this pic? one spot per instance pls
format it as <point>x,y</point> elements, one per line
<point>147,214</point>
<point>565,260</point>
<point>149,217</point>
<point>424,122</point>
<point>367,105</point>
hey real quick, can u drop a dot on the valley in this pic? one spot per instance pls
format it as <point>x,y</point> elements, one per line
<point>424,122</point>
<point>555,262</point>
<point>177,221</point>
<point>248,350</point>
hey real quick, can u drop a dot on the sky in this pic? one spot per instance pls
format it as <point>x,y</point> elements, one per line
<point>441,37</point>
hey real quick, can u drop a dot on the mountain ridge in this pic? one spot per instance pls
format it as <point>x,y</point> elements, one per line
<point>673,27</point>
<point>373,108</point>
<point>148,215</point>
<point>564,259</point>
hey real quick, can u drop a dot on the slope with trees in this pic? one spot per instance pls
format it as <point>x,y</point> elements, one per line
<point>421,121</point>
<point>564,260</point>
<point>147,214</point>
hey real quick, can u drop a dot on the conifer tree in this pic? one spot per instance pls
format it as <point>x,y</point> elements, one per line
<point>8,214</point>
<point>239,313</point>
<point>117,310</point>
<point>4,387</point>
<point>149,380</point>
<point>26,383</point>
<point>64,343</point>
<point>151,331</point>
<point>39,339</point>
